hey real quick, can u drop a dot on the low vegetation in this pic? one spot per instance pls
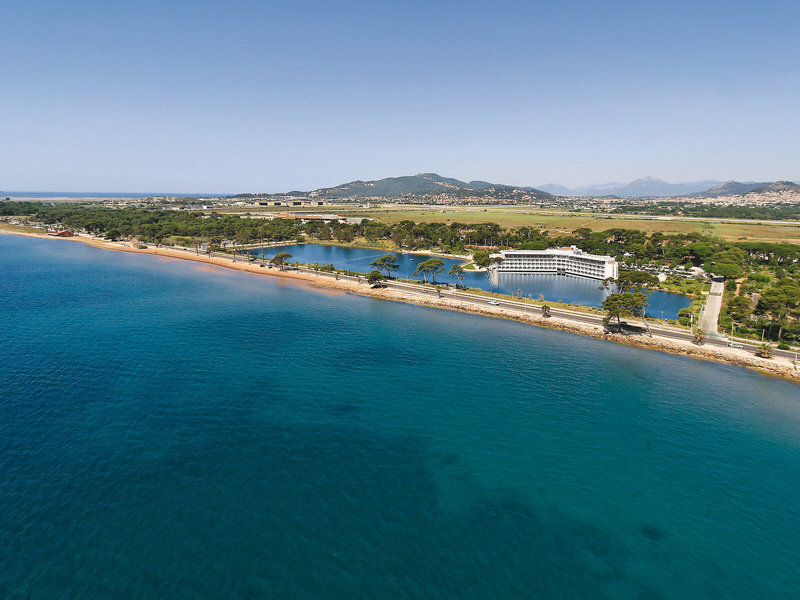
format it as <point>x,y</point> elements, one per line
<point>788,212</point>
<point>763,282</point>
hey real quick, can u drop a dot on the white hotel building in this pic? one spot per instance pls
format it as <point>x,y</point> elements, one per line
<point>571,261</point>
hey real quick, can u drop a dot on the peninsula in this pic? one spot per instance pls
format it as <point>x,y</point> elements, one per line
<point>662,338</point>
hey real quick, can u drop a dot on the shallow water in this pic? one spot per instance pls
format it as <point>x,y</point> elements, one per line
<point>551,287</point>
<point>166,431</point>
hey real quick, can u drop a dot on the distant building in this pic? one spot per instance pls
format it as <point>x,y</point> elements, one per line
<point>563,261</point>
<point>311,217</point>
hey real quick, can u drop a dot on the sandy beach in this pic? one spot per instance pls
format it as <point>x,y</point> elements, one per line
<point>776,366</point>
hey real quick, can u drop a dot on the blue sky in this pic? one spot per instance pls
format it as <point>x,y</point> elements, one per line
<point>273,96</point>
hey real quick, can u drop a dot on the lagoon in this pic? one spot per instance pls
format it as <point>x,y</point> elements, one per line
<point>551,287</point>
<point>171,429</point>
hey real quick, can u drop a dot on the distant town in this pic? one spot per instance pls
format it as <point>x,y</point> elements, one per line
<point>431,189</point>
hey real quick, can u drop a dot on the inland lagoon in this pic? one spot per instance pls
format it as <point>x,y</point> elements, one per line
<point>551,287</point>
<point>172,429</point>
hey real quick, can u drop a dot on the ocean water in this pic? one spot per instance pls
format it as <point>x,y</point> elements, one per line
<point>552,287</point>
<point>174,430</point>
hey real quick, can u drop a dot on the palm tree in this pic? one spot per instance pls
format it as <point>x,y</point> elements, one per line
<point>545,311</point>
<point>765,350</point>
<point>699,336</point>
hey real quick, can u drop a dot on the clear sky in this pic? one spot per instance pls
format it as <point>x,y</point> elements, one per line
<point>234,96</point>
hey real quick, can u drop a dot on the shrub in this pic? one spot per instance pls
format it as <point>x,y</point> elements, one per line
<point>784,346</point>
<point>764,350</point>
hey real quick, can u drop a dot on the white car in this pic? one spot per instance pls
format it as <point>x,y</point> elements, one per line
<point>494,302</point>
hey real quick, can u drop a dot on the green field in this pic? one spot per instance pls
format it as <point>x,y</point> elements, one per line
<point>18,228</point>
<point>513,216</point>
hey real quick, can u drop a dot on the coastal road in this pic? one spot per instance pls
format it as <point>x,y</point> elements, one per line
<point>569,315</point>
<point>522,308</point>
<point>708,322</point>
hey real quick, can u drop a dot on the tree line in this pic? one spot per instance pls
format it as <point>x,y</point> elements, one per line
<point>789,212</point>
<point>768,298</point>
<point>150,225</point>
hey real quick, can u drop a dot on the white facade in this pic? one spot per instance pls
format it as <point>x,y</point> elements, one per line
<point>572,261</point>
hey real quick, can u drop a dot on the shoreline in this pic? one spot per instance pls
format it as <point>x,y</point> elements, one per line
<point>777,366</point>
<point>466,258</point>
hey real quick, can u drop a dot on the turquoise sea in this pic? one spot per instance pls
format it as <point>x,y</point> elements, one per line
<point>551,287</point>
<point>174,430</point>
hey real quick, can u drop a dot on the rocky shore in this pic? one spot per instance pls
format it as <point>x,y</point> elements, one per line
<point>775,367</point>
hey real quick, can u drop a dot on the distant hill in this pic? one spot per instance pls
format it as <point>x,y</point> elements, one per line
<point>426,185</point>
<point>430,187</point>
<point>647,187</point>
<point>558,190</point>
<point>736,188</point>
<point>784,186</point>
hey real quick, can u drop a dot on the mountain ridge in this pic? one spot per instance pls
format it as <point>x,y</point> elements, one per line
<point>644,187</point>
<point>427,184</point>
<point>737,188</point>
<point>434,188</point>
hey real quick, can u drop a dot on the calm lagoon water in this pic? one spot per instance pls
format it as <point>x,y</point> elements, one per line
<point>554,288</point>
<point>175,430</point>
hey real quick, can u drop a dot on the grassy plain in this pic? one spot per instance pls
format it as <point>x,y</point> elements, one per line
<point>18,228</point>
<point>563,221</point>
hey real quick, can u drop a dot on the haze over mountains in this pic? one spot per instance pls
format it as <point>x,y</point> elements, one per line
<point>428,185</point>
<point>651,187</point>
<point>640,188</point>
<point>734,188</point>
